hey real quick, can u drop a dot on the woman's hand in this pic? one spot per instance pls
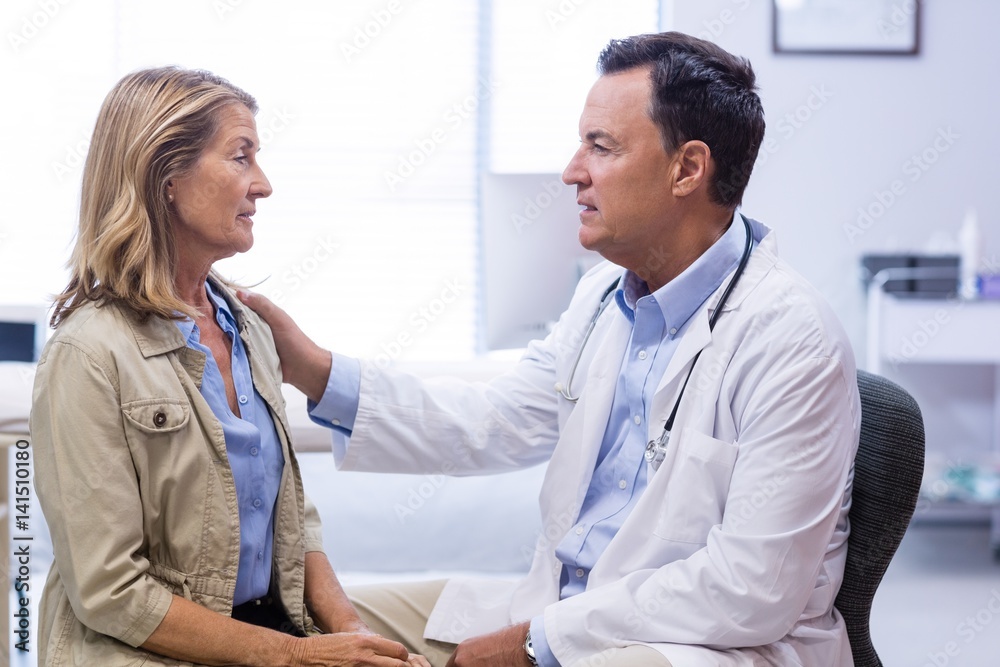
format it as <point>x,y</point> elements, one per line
<point>347,649</point>
<point>332,612</point>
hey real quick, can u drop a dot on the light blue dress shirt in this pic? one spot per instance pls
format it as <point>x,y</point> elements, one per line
<point>658,322</point>
<point>253,449</point>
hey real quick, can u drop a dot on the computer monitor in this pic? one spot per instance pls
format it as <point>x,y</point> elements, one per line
<point>23,331</point>
<point>531,257</point>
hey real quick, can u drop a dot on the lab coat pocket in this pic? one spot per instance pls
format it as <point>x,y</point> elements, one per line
<point>697,486</point>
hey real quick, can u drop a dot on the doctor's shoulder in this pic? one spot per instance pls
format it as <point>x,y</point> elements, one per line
<point>789,311</point>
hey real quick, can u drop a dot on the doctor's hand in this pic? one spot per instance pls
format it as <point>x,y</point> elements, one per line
<point>304,364</point>
<point>503,647</point>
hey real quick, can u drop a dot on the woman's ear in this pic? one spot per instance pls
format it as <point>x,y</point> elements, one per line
<point>693,161</point>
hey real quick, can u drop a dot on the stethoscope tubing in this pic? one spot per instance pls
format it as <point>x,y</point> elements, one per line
<point>656,449</point>
<point>567,391</point>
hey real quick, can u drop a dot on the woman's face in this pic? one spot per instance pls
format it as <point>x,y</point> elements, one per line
<point>213,204</point>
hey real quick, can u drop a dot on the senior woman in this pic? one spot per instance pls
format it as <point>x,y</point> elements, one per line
<point>181,532</point>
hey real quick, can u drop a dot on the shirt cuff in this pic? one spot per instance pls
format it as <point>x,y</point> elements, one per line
<point>338,407</point>
<point>543,654</point>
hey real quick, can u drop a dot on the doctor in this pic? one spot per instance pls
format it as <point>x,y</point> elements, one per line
<point>722,544</point>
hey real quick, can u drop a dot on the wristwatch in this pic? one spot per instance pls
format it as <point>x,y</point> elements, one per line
<point>529,649</point>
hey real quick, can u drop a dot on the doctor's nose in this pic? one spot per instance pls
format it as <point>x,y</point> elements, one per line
<point>575,173</point>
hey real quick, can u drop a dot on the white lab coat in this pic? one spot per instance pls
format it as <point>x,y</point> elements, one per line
<point>735,552</point>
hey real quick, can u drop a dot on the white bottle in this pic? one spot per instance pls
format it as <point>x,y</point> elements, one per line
<point>970,249</point>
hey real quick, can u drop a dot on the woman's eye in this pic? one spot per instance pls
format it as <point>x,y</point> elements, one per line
<point>242,158</point>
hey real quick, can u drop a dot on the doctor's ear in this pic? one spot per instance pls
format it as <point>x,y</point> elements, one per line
<point>692,163</point>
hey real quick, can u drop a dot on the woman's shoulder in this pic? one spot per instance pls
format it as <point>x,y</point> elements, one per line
<point>98,330</point>
<point>90,323</point>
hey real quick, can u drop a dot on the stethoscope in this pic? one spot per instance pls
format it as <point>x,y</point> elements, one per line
<point>656,450</point>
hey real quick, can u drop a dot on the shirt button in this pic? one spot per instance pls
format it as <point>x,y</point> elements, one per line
<point>243,400</point>
<point>336,422</point>
<point>637,419</point>
<point>257,502</point>
<point>579,530</point>
<point>642,354</point>
<point>159,419</point>
<point>580,573</point>
<point>622,484</point>
<point>673,330</point>
<point>260,555</point>
<point>253,451</point>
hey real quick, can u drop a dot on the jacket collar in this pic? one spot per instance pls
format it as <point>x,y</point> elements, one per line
<point>158,336</point>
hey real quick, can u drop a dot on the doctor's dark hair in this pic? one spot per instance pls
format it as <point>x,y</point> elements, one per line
<point>700,92</point>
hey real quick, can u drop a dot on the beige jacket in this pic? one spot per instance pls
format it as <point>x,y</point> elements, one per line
<point>135,484</point>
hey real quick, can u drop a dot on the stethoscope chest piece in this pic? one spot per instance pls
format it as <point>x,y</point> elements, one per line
<point>656,450</point>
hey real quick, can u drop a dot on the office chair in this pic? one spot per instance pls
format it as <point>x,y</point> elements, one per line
<point>887,472</point>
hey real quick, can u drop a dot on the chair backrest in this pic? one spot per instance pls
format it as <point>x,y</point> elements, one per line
<point>887,473</point>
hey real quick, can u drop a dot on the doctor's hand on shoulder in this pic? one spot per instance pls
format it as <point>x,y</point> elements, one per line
<point>503,647</point>
<point>304,364</point>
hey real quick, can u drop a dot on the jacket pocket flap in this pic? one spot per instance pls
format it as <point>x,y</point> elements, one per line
<point>157,415</point>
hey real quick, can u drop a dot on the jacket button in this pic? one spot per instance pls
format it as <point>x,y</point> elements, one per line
<point>159,419</point>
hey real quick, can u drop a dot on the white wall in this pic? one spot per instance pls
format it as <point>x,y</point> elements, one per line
<point>872,116</point>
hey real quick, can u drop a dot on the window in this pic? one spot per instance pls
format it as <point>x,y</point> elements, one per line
<point>545,58</point>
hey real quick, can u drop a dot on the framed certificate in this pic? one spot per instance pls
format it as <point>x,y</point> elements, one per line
<point>864,27</point>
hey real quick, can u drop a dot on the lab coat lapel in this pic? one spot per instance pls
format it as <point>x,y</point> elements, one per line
<point>694,340</point>
<point>594,407</point>
<point>699,335</point>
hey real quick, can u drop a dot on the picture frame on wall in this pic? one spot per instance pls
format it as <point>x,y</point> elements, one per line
<point>859,27</point>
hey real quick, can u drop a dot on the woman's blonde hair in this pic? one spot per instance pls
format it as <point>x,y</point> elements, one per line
<point>153,126</point>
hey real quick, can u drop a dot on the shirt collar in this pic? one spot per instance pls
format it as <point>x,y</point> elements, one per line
<point>188,327</point>
<point>221,305</point>
<point>681,297</point>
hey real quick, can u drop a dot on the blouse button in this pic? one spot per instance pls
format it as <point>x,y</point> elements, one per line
<point>159,419</point>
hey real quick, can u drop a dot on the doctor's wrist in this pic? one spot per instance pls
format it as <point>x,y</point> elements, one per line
<point>529,649</point>
<point>311,375</point>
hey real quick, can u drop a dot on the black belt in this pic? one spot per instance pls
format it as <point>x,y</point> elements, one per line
<point>267,612</point>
